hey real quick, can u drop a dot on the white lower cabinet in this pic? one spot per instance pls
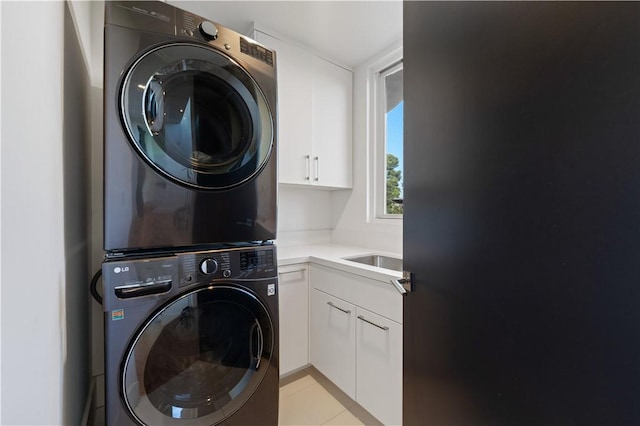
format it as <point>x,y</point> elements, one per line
<point>293,301</point>
<point>379,366</point>
<point>333,337</point>
<point>357,348</point>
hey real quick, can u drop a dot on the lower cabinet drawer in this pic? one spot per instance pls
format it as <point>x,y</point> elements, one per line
<point>376,296</point>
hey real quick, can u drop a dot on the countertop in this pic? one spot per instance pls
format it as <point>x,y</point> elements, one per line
<point>331,255</point>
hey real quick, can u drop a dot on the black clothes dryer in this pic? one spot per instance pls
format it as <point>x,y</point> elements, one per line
<point>189,131</point>
<point>192,338</point>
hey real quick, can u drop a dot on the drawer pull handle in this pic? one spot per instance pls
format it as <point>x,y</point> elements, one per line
<point>346,311</point>
<point>291,272</point>
<point>385,328</point>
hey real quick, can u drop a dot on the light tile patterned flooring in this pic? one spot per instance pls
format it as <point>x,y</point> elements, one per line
<point>309,398</point>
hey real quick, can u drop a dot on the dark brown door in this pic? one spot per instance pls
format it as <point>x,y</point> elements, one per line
<point>522,213</point>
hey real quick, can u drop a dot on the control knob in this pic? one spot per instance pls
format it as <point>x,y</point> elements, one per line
<point>208,30</point>
<point>208,266</point>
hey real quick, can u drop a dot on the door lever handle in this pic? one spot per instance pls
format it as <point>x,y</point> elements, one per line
<point>404,284</point>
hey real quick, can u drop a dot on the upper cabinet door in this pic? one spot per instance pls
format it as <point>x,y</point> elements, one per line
<point>314,117</point>
<point>294,109</point>
<point>331,120</point>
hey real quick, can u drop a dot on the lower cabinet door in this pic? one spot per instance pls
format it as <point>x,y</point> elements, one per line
<point>379,366</point>
<point>293,300</point>
<point>333,335</point>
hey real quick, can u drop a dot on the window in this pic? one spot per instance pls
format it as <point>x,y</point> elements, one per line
<point>387,118</point>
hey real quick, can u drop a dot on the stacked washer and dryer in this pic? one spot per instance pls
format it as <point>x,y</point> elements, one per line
<point>189,277</point>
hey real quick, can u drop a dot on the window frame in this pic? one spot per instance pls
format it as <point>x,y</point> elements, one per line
<point>377,164</point>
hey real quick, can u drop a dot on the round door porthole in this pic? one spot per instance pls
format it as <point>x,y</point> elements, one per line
<point>196,116</point>
<point>200,358</point>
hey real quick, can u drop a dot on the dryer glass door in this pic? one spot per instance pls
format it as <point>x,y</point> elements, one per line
<point>199,358</point>
<point>196,116</point>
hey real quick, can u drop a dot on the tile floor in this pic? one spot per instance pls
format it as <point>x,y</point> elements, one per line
<point>307,398</point>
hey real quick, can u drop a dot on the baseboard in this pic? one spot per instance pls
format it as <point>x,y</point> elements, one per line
<point>293,375</point>
<point>87,414</point>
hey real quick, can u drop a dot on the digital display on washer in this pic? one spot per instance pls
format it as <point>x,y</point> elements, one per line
<point>256,260</point>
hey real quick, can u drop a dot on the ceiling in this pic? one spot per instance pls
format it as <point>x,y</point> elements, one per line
<point>348,32</point>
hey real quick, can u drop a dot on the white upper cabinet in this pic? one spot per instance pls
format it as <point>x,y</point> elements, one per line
<point>331,124</point>
<point>314,117</point>
<point>294,110</point>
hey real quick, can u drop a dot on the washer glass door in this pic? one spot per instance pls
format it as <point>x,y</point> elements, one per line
<point>200,357</point>
<point>196,116</point>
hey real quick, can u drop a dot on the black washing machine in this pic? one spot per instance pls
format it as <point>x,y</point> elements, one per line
<point>192,338</point>
<point>189,131</point>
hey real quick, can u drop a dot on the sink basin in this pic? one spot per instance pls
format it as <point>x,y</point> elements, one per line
<point>379,261</point>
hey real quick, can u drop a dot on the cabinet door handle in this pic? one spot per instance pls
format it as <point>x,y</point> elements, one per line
<point>381,327</point>
<point>317,161</point>
<point>346,311</point>
<point>308,160</point>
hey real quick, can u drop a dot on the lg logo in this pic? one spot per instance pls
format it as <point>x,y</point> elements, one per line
<point>118,269</point>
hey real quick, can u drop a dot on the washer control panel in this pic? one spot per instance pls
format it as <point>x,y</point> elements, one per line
<point>235,263</point>
<point>136,278</point>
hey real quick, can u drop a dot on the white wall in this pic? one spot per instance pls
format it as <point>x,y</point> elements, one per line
<point>304,215</point>
<point>0,218</point>
<point>33,273</point>
<point>350,214</point>
<point>88,19</point>
<point>44,240</point>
